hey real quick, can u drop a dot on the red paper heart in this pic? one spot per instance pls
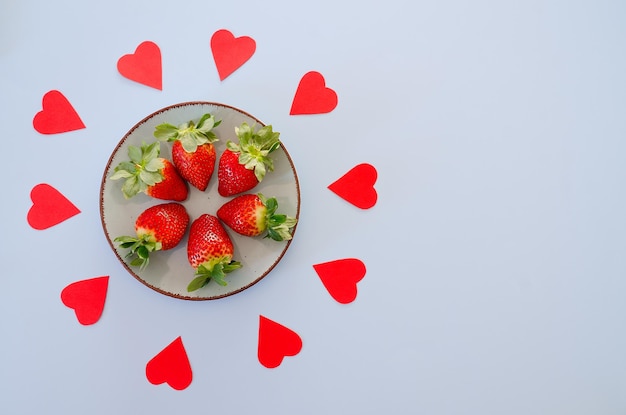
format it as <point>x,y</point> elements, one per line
<point>230,52</point>
<point>86,298</point>
<point>143,66</point>
<point>171,365</point>
<point>312,96</point>
<point>57,115</point>
<point>49,207</point>
<point>357,186</point>
<point>276,342</point>
<point>340,277</point>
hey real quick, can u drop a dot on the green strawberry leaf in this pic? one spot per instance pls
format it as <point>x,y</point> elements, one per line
<point>189,142</point>
<point>247,160</point>
<point>259,171</point>
<point>131,187</point>
<point>231,266</point>
<point>211,270</point>
<point>232,146</point>
<point>277,219</point>
<point>271,204</point>
<point>138,262</point>
<point>134,154</point>
<point>139,248</point>
<point>281,232</point>
<point>165,132</point>
<point>272,234</point>
<point>125,241</point>
<point>121,174</point>
<point>143,252</point>
<point>279,226</point>
<point>150,178</point>
<point>274,146</point>
<point>150,152</point>
<point>218,275</point>
<point>154,165</point>
<point>206,123</point>
<point>244,133</point>
<point>198,282</point>
<point>191,135</point>
<point>254,148</point>
<point>210,137</point>
<point>143,170</point>
<point>127,166</point>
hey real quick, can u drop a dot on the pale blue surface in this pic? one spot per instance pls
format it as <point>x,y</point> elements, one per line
<point>496,267</point>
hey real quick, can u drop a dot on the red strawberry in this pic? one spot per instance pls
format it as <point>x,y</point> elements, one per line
<point>210,252</point>
<point>197,167</point>
<point>242,166</point>
<point>148,173</point>
<point>158,228</point>
<point>193,153</point>
<point>252,215</point>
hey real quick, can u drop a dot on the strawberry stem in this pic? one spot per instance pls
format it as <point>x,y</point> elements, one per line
<point>279,226</point>
<point>190,135</point>
<point>143,169</point>
<point>254,148</point>
<point>212,270</point>
<point>139,249</point>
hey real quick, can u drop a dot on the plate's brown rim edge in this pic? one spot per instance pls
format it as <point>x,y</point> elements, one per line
<point>101,202</point>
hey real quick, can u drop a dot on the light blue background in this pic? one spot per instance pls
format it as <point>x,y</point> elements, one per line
<point>495,255</point>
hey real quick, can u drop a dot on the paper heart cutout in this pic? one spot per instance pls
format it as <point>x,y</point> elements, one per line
<point>57,115</point>
<point>49,207</point>
<point>276,342</point>
<point>230,52</point>
<point>86,298</point>
<point>357,186</point>
<point>340,277</point>
<point>144,66</point>
<point>312,96</point>
<point>171,365</point>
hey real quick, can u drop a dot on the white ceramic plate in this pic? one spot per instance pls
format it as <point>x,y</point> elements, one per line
<point>169,271</point>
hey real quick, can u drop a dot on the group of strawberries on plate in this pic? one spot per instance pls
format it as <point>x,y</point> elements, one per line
<point>241,167</point>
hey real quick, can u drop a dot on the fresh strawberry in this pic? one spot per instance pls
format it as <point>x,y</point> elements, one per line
<point>210,252</point>
<point>193,152</point>
<point>242,166</point>
<point>148,173</point>
<point>252,215</point>
<point>158,228</point>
